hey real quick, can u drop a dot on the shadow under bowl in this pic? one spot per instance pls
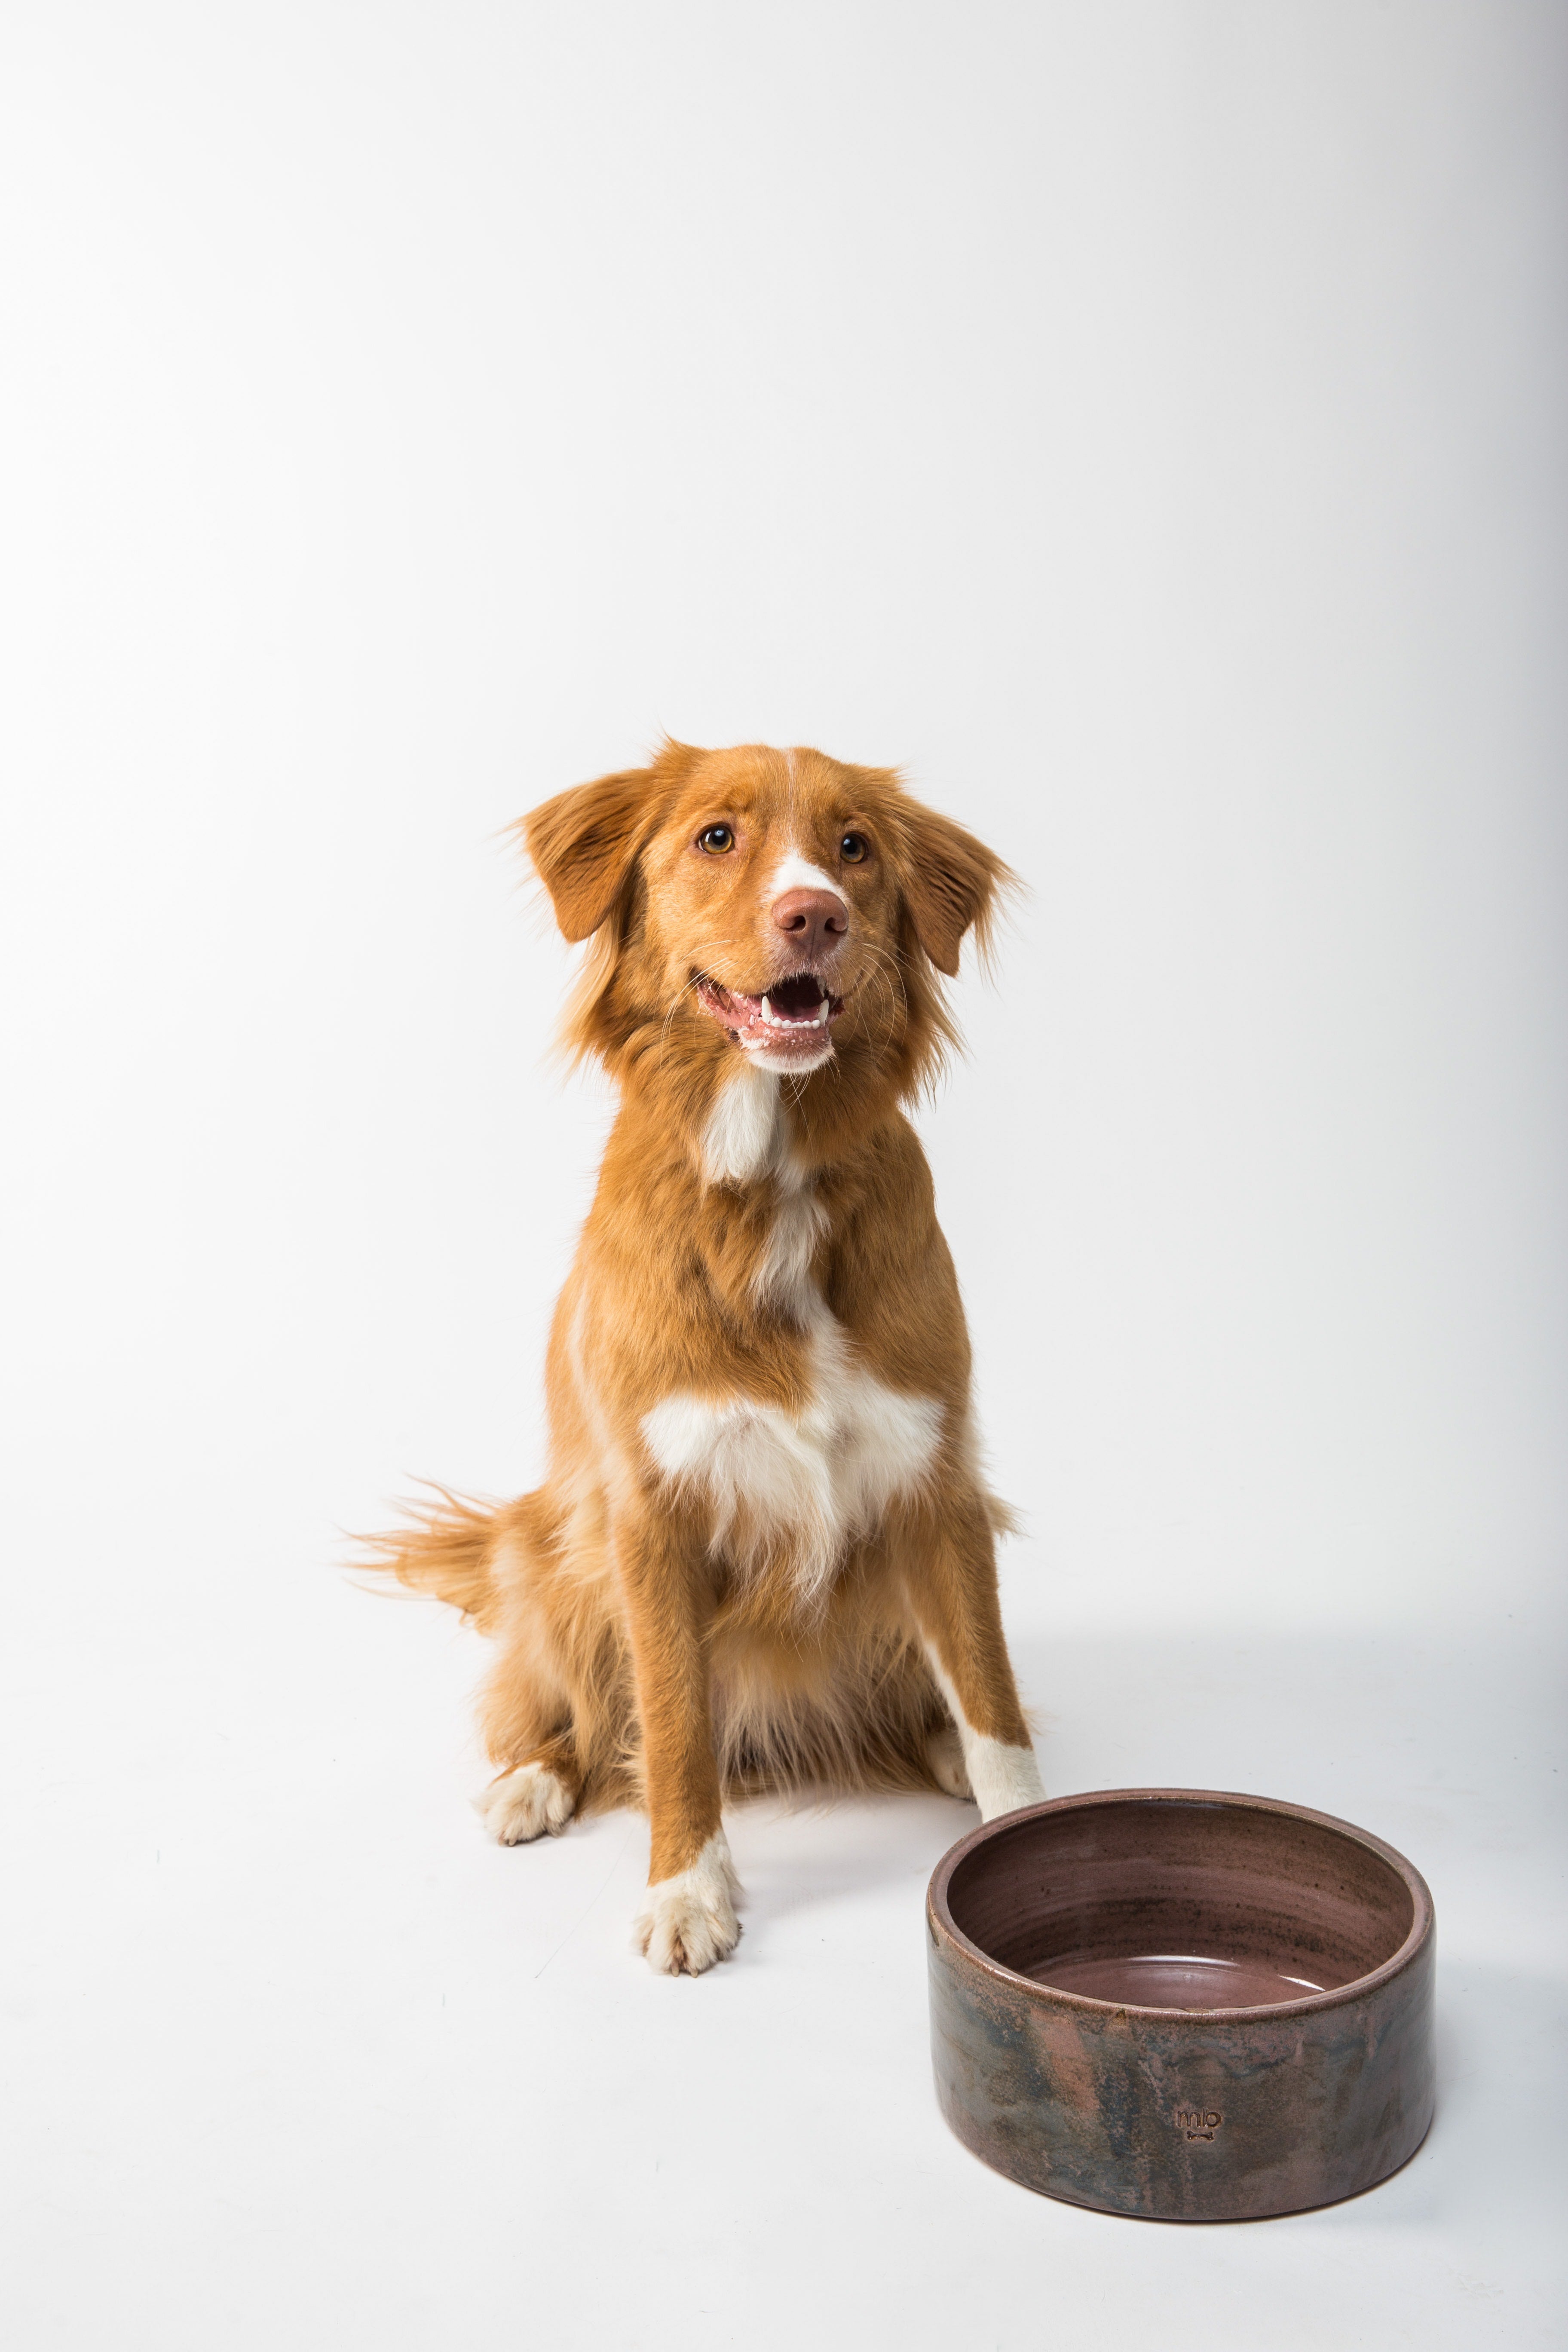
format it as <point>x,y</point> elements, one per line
<point>1183,2004</point>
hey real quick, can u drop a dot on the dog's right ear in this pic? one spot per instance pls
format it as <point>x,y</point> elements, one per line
<point>582,844</point>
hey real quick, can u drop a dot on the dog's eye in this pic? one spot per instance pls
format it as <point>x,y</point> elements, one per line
<point>717,840</point>
<point>853,848</point>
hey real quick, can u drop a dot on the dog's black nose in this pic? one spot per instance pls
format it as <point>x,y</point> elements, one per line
<point>812,920</point>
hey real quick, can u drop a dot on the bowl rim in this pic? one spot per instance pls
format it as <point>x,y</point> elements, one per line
<point>941,1923</point>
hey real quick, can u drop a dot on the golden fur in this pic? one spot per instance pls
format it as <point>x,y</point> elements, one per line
<point>762,1551</point>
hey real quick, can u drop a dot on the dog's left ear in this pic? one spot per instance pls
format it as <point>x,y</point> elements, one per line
<point>582,844</point>
<point>952,883</point>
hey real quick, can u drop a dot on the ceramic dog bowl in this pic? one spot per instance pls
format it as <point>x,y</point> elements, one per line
<point>1180,2004</point>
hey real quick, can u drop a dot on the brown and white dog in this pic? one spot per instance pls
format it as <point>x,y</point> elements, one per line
<point>764,1553</point>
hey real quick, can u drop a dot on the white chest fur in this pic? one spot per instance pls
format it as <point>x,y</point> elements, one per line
<point>808,1482</point>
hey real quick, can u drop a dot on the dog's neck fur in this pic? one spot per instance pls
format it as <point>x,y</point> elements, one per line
<point>755,1180</point>
<point>739,1126</point>
<point>747,1136</point>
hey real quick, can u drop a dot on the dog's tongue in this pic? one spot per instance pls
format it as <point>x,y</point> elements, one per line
<point>792,1012</point>
<point>797,999</point>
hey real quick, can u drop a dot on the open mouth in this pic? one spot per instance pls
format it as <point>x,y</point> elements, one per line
<point>791,1019</point>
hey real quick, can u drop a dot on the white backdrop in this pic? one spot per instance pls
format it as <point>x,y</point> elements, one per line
<point>1144,422</point>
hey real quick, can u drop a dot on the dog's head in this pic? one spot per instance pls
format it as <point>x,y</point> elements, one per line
<point>777,905</point>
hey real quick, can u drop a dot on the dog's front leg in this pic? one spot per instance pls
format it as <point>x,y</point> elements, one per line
<point>688,1919</point>
<point>952,1588</point>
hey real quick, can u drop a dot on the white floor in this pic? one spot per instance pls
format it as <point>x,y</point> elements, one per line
<point>294,2058</point>
<point>1145,420</point>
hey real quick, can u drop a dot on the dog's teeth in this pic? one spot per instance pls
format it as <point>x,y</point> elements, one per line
<point>820,1016</point>
<point>768,1012</point>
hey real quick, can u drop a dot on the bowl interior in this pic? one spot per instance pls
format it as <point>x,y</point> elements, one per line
<point>1174,1902</point>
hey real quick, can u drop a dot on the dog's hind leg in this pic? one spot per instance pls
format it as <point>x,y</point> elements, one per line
<point>534,1798</point>
<point>944,1755</point>
<point>527,1719</point>
<point>527,1716</point>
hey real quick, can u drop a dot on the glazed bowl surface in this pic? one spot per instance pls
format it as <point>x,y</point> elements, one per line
<point>1182,2003</point>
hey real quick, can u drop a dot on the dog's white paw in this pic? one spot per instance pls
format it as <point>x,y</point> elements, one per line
<point>689,1921</point>
<point>944,1754</point>
<point>531,1803</point>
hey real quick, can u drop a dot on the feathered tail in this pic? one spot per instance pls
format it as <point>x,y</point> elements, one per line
<point>444,1548</point>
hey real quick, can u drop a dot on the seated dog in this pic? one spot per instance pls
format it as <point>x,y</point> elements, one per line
<point>764,1552</point>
